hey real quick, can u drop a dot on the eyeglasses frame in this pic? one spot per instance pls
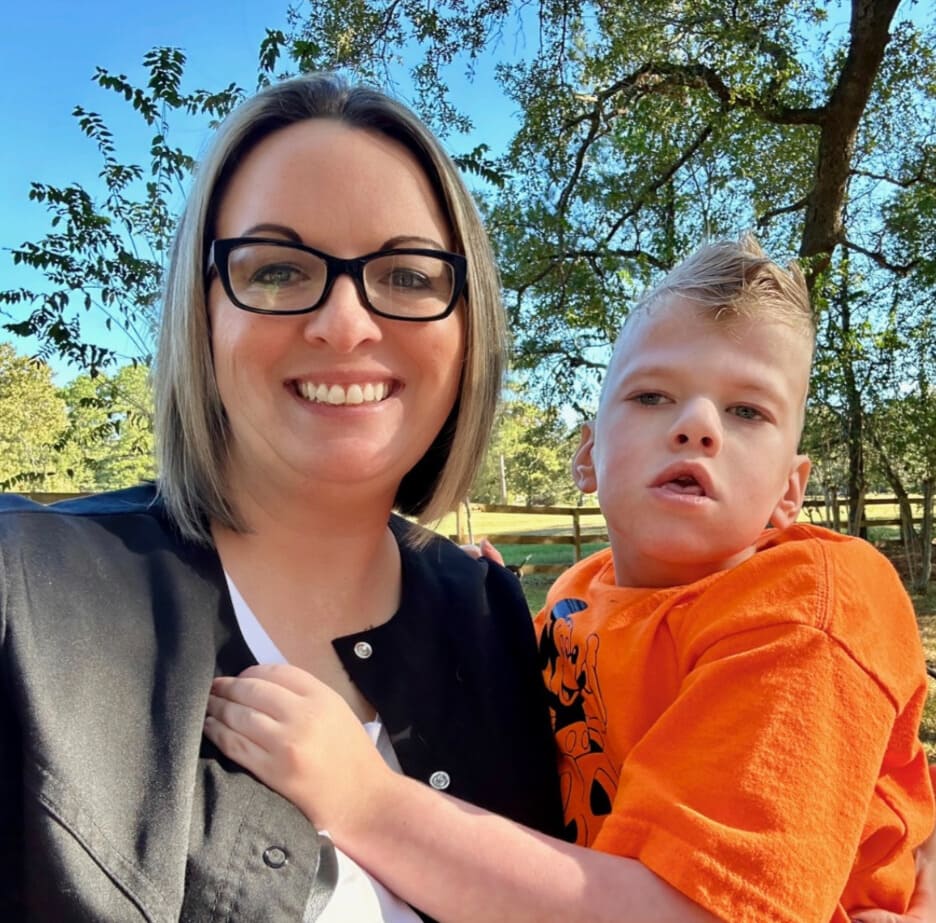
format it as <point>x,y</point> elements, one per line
<point>220,250</point>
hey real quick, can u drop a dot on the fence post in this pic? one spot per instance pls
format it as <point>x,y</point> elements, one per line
<point>577,534</point>
<point>836,511</point>
<point>468,520</point>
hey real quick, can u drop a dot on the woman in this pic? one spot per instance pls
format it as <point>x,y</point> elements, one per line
<point>322,360</point>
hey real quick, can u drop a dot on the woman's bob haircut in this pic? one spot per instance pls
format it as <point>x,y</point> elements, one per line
<point>192,433</point>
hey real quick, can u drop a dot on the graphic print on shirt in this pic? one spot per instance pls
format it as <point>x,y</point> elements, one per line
<point>580,721</point>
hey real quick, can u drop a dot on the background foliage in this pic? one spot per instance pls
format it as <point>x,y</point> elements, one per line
<point>640,129</point>
<point>92,434</point>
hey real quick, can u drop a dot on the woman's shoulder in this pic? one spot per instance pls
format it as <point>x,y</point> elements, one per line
<point>143,498</point>
<point>132,519</point>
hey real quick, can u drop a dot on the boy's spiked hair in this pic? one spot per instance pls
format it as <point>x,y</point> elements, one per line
<point>737,280</point>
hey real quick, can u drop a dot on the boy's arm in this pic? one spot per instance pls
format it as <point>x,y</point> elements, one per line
<point>450,859</point>
<point>922,907</point>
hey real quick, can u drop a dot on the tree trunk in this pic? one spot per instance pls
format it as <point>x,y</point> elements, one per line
<point>870,33</point>
<point>926,534</point>
<point>854,411</point>
<point>913,547</point>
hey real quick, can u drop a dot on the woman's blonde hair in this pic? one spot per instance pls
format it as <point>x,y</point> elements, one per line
<point>192,433</point>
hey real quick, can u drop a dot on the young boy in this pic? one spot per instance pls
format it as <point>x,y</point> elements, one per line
<point>736,709</point>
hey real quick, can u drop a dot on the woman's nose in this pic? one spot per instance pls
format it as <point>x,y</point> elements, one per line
<point>698,426</point>
<point>343,320</point>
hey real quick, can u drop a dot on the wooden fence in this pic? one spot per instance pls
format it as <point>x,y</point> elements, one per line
<point>831,512</point>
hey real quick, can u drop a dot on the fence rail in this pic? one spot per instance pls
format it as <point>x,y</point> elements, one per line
<point>832,513</point>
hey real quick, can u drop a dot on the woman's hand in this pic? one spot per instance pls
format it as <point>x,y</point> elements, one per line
<point>299,737</point>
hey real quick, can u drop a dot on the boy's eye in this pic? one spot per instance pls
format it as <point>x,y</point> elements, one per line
<point>746,413</point>
<point>649,398</point>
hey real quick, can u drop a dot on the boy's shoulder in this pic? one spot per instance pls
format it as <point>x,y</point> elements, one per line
<point>811,574</point>
<point>578,582</point>
<point>810,536</point>
<point>809,581</point>
<point>802,579</point>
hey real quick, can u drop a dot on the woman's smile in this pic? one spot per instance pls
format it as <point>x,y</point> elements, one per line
<point>368,392</point>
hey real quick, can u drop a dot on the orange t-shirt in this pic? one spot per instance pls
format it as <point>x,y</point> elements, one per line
<point>751,738</point>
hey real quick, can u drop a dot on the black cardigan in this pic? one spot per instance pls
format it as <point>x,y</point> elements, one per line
<point>113,807</point>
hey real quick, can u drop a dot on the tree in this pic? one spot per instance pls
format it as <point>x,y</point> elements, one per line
<point>529,459</point>
<point>92,434</point>
<point>647,127</point>
<point>109,437</point>
<point>32,419</point>
<point>107,254</point>
<point>642,129</point>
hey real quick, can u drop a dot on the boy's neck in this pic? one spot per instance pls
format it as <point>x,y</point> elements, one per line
<point>637,571</point>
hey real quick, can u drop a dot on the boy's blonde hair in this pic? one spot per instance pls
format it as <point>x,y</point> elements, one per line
<point>734,280</point>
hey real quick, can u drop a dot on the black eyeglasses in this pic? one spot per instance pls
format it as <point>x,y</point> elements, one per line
<point>270,276</point>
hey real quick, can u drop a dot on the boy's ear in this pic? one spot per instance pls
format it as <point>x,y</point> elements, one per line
<point>583,465</point>
<point>790,504</point>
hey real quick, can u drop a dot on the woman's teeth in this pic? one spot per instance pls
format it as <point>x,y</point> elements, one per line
<point>367,393</point>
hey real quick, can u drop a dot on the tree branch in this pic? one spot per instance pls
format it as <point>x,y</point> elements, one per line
<point>879,259</point>
<point>921,179</point>
<point>869,35</point>
<point>661,180</point>
<point>772,213</point>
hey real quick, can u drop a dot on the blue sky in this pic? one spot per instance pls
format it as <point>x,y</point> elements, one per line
<point>50,51</point>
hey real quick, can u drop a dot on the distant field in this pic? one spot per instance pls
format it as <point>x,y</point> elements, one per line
<point>483,524</point>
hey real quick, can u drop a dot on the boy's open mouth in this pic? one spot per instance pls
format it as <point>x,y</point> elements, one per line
<point>687,479</point>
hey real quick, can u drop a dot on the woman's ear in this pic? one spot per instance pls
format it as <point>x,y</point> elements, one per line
<point>583,465</point>
<point>790,504</point>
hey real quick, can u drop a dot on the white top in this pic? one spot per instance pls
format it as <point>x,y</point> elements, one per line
<point>357,897</point>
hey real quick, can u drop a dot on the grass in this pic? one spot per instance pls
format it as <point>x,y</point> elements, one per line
<point>534,585</point>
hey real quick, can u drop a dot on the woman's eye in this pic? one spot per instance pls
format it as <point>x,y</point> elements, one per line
<point>408,278</point>
<point>276,275</point>
<point>746,413</point>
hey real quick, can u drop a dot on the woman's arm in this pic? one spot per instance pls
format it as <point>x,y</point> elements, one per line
<point>452,860</point>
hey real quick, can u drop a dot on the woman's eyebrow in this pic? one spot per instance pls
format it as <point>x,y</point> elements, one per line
<point>274,228</point>
<point>403,240</point>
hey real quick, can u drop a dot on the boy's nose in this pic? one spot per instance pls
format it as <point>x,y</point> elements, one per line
<point>698,426</point>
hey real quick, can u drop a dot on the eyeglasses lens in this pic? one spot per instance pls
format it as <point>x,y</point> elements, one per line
<point>409,284</point>
<point>284,278</point>
<point>274,278</point>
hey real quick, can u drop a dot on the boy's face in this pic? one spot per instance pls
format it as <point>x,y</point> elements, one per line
<point>694,447</point>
